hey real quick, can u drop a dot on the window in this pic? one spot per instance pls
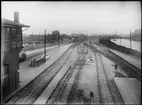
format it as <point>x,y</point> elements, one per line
<point>19,33</point>
<point>7,38</point>
<point>7,33</point>
<point>6,69</point>
<point>13,33</point>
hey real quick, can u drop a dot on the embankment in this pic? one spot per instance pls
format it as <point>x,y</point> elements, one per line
<point>123,49</point>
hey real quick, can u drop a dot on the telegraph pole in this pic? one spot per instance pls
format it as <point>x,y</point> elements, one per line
<point>130,40</point>
<point>116,34</point>
<point>99,38</point>
<point>120,40</point>
<point>45,45</point>
<point>33,39</point>
<point>58,41</point>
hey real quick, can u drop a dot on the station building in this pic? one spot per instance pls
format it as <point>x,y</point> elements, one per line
<point>11,45</point>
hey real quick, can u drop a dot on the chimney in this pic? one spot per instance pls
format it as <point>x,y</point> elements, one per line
<point>16,17</point>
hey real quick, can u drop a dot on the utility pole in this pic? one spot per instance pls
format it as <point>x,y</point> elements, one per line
<point>116,34</point>
<point>99,38</point>
<point>120,40</point>
<point>33,39</point>
<point>45,45</point>
<point>58,41</point>
<point>130,40</point>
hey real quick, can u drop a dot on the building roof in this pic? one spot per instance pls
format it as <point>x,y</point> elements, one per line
<point>6,22</point>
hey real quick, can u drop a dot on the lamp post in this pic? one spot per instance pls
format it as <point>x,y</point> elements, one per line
<point>130,39</point>
<point>45,45</point>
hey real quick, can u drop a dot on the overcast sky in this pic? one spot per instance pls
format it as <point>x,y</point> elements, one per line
<point>72,17</point>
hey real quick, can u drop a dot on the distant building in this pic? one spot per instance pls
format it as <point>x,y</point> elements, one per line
<point>11,46</point>
<point>55,35</point>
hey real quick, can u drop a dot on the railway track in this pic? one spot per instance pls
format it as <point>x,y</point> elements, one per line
<point>31,91</point>
<point>74,97</point>
<point>131,69</point>
<point>62,91</point>
<point>136,72</point>
<point>66,84</point>
<point>38,53</point>
<point>104,85</point>
<point>73,89</point>
<point>65,89</point>
<point>105,93</point>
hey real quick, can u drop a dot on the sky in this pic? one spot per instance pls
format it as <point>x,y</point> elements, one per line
<point>76,17</point>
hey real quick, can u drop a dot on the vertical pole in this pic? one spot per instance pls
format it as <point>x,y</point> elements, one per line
<point>140,46</point>
<point>109,40</point>
<point>130,39</point>
<point>33,39</point>
<point>99,38</point>
<point>58,41</point>
<point>120,40</point>
<point>116,34</point>
<point>45,45</point>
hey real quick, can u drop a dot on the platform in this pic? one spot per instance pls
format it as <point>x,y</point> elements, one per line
<point>27,73</point>
<point>130,90</point>
<point>131,59</point>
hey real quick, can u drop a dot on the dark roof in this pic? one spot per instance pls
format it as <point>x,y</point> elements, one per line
<point>6,22</point>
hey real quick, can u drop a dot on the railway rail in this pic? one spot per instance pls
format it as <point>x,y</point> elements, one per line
<point>31,91</point>
<point>62,79</point>
<point>64,88</point>
<point>105,91</point>
<point>66,85</point>
<point>76,95</point>
<point>132,70</point>
<point>73,89</point>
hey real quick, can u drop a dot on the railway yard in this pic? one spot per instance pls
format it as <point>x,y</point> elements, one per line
<point>71,53</point>
<point>84,73</point>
